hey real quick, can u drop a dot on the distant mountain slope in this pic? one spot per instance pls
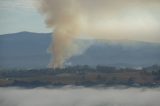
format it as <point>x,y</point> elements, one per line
<point>24,49</point>
<point>132,54</point>
<point>29,50</point>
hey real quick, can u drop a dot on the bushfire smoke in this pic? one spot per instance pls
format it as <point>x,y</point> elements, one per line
<point>116,20</point>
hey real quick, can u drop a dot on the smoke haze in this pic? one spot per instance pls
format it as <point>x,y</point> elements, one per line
<point>118,20</point>
<point>70,96</point>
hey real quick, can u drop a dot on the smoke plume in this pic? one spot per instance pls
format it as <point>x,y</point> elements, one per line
<point>116,20</point>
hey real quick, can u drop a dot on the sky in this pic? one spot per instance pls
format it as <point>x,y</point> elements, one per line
<point>20,15</point>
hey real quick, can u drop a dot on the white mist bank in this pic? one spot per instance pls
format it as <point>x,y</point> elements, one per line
<point>69,96</point>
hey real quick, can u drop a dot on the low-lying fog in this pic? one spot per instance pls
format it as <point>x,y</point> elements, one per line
<point>80,96</point>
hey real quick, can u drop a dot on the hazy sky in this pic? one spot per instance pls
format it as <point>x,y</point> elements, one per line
<point>20,15</point>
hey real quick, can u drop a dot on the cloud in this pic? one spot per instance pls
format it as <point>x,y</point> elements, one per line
<point>69,96</point>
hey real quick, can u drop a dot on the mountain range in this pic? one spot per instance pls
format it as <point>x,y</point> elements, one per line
<point>29,50</point>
